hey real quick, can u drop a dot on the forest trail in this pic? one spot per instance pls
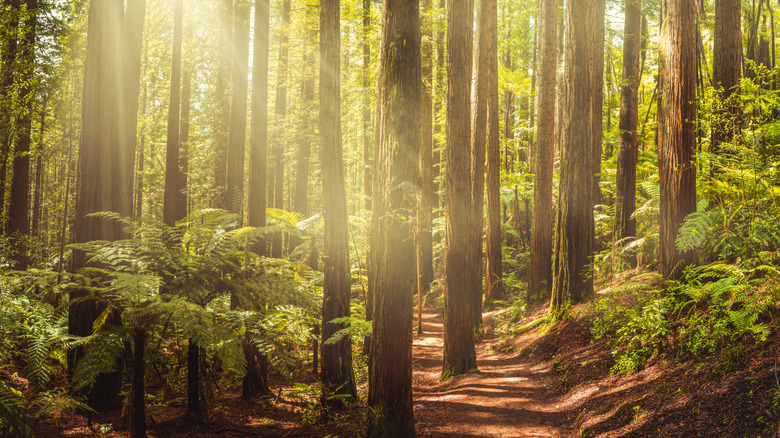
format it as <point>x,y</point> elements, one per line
<point>509,397</point>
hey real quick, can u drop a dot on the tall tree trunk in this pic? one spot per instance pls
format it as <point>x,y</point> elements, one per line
<point>478,148</point>
<point>182,191</point>
<point>677,139</point>
<point>222,120</point>
<point>572,280</point>
<point>256,378</point>
<point>10,26</point>
<point>281,114</point>
<point>424,238</point>
<point>597,113</point>
<point>438,92</point>
<point>493,274</point>
<point>103,187</point>
<point>172,214</point>
<point>337,374</point>
<point>19,206</point>
<point>390,373</point>
<point>726,73</point>
<point>509,110</point>
<point>366,74</point>
<point>234,176</point>
<point>541,231</point>
<point>135,14</point>
<point>461,285</point>
<point>625,188</point>
<point>258,141</point>
<point>38,194</point>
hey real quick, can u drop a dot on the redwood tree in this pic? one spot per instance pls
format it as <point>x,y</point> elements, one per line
<point>572,280</point>
<point>461,286</point>
<point>541,234</point>
<point>625,187</point>
<point>337,373</point>
<point>173,173</point>
<point>677,130</point>
<point>390,373</point>
<point>234,175</point>
<point>726,71</point>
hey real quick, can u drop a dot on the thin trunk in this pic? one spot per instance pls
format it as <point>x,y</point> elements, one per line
<point>135,13</point>
<point>38,194</point>
<point>138,409</point>
<point>171,214</point>
<point>182,191</point>
<point>390,369</point>
<point>625,189</point>
<point>222,119</point>
<point>726,74</point>
<point>493,268</point>
<point>337,374</point>
<point>195,385</point>
<point>424,241</point>
<point>8,98</point>
<point>281,114</point>
<point>19,206</point>
<point>258,142</point>
<point>366,104</point>
<point>597,112</point>
<point>234,175</point>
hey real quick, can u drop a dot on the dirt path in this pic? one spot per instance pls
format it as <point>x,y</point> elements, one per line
<point>509,397</point>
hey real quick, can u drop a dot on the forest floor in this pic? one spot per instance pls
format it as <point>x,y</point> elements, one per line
<point>544,383</point>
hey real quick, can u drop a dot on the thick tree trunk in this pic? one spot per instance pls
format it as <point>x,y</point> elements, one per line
<point>171,212</point>
<point>258,141</point>
<point>677,134</point>
<point>390,373</point>
<point>572,280</point>
<point>424,239</point>
<point>135,14</point>
<point>459,262</point>
<point>541,231</point>
<point>493,271</point>
<point>625,189</point>
<point>726,73</point>
<point>19,206</point>
<point>337,373</point>
<point>103,187</point>
<point>281,114</point>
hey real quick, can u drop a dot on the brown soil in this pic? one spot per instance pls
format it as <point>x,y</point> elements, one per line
<point>540,384</point>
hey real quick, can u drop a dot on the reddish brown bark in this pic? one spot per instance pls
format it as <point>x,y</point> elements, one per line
<point>677,133</point>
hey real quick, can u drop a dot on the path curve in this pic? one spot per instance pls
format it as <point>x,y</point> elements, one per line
<point>509,397</point>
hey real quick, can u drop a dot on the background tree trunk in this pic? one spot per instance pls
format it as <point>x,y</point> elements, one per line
<point>625,187</point>
<point>541,234</point>
<point>337,374</point>
<point>726,72</point>
<point>171,212</point>
<point>281,114</point>
<point>493,271</point>
<point>222,121</point>
<point>234,176</point>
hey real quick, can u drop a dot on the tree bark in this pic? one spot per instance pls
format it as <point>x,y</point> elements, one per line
<point>337,374</point>
<point>625,188</point>
<point>19,206</point>
<point>281,114</point>
<point>234,175</point>
<point>222,120</point>
<point>103,186</point>
<point>598,10</point>
<point>461,285</point>
<point>493,274</point>
<point>726,73</point>
<point>258,141</point>
<point>8,102</point>
<point>677,134</point>
<point>541,231</point>
<point>572,280</point>
<point>138,402</point>
<point>390,372</point>
<point>171,212</point>
<point>135,14</point>
<point>424,240</point>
